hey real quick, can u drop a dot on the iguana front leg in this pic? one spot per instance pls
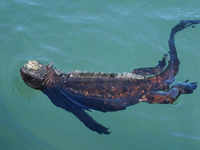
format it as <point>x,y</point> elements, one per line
<point>146,71</point>
<point>170,96</point>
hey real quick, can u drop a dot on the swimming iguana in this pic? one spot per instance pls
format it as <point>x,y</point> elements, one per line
<point>78,92</point>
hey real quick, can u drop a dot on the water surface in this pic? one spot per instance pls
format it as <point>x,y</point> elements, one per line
<point>107,36</point>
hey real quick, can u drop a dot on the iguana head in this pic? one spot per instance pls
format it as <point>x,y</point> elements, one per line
<point>33,73</point>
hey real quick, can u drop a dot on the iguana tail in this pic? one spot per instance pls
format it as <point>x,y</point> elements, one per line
<point>172,68</point>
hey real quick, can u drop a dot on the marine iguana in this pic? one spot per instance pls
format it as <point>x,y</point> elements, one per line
<point>78,92</point>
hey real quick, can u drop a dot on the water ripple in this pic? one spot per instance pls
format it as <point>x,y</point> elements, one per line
<point>174,13</point>
<point>179,134</point>
<point>28,2</point>
<point>83,19</point>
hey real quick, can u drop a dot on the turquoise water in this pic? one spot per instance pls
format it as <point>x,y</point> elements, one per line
<point>108,36</point>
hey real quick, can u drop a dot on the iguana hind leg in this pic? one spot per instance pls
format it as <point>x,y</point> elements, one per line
<point>146,71</point>
<point>169,96</point>
<point>161,97</point>
<point>186,87</point>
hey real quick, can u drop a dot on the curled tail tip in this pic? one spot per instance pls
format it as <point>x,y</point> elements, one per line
<point>191,21</point>
<point>187,23</point>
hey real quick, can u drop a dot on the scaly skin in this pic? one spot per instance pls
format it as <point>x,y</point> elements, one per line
<point>77,92</point>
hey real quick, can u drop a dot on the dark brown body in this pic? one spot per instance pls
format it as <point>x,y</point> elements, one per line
<point>77,92</point>
<point>112,92</point>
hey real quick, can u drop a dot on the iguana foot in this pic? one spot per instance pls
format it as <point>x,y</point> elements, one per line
<point>186,87</point>
<point>146,71</point>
